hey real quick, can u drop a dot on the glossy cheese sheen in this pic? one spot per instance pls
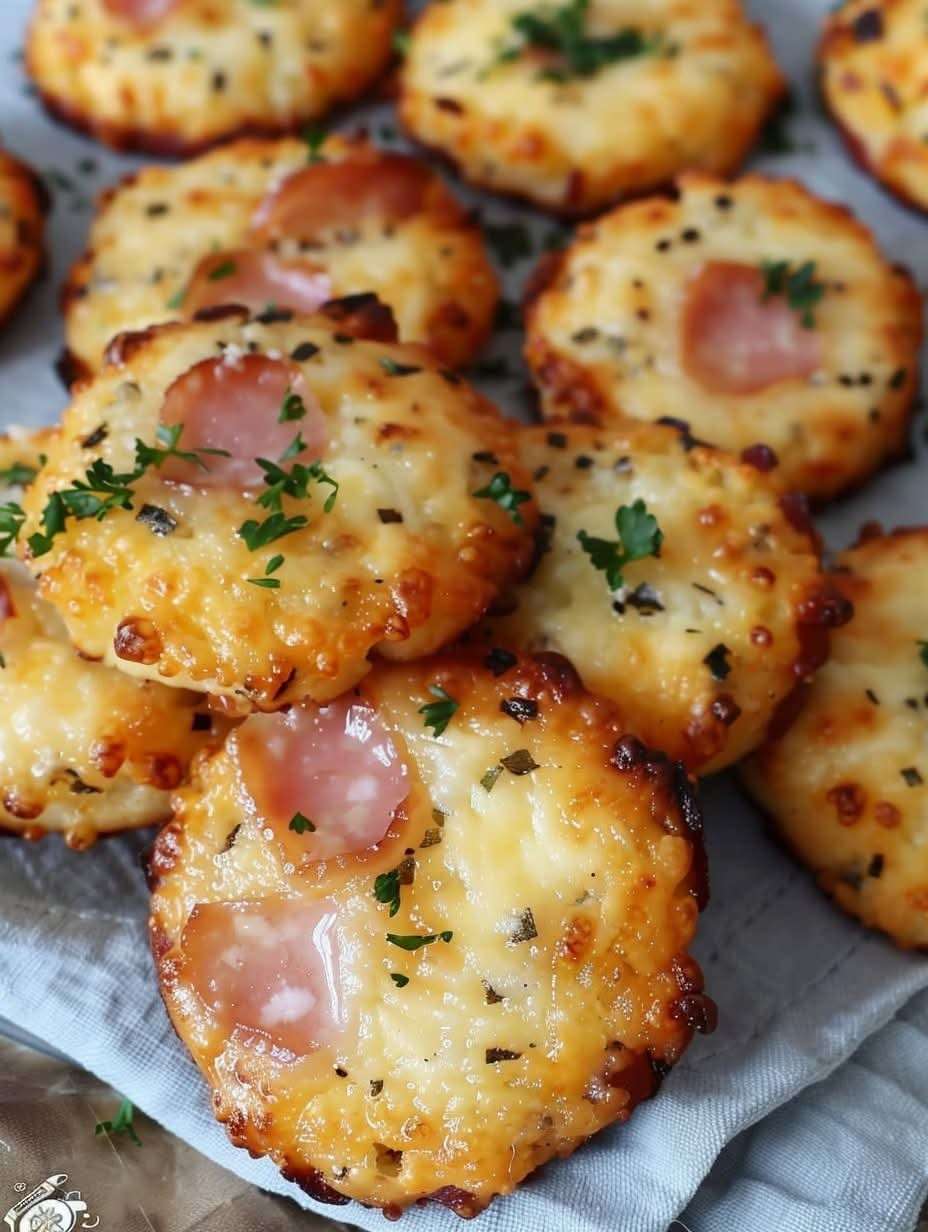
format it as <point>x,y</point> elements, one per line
<point>703,643</point>
<point>872,62</point>
<point>697,101</point>
<point>152,235</point>
<point>570,890</point>
<point>610,329</point>
<point>22,226</point>
<point>847,786</point>
<point>202,70</point>
<point>405,559</point>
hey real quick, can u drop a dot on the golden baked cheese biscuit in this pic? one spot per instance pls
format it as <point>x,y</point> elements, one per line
<point>847,785</point>
<point>84,750</point>
<point>678,581</point>
<point>251,509</point>
<point>872,60</point>
<point>175,76</point>
<point>257,223</point>
<point>22,226</point>
<point>433,934</point>
<point>576,103</point>
<point>753,310</point>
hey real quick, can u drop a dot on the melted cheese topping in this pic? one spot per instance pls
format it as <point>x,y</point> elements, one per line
<point>208,69</point>
<point>847,785</point>
<point>702,644</point>
<point>568,887</point>
<point>407,557</point>
<point>22,228</point>
<point>608,334</point>
<point>697,100</point>
<point>152,233</point>
<point>872,58</point>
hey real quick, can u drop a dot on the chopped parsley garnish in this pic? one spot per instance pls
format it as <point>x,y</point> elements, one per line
<point>562,31</point>
<point>416,941</point>
<point>103,489</point>
<point>438,714</point>
<point>121,1123</point>
<point>301,824</point>
<point>392,368</point>
<point>282,482</point>
<point>519,762</point>
<point>488,782</point>
<point>399,980</point>
<point>922,650</point>
<point>225,269</point>
<point>269,582</point>
<point>400,42</point>
<point>500,489</point>
<point>158,520</point>
<point>293,407</point>
<point>11,520</point>
<point>639,537</point>
<point>799,286</point>
<point>387,889</point>
<point>314,140</point>
<point>19,475</point>
<point>260,534</point>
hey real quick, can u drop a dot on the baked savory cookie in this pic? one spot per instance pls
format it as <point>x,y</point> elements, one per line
<point>847,785</point>
<point>273,223</point>
<point>250,509</point>
<point>84,750</point>
<point>174,76</point>
<point>677,581</point>
<point>428,937</point>
<point>22,227</point>
<point>526,98</point>
<point>755,310</point>
<point>872,61</point>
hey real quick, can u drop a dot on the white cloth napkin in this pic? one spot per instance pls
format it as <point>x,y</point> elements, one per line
<point>794,1124</point>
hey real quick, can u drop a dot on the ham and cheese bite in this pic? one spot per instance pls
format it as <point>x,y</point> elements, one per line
<point>754,310</point>
<point>84,750</point>
<point>176,76</point>
<point>525,99</point>
<point>679,582</point>
<point>429,936</point>
<point>251,508</point>
<point>847,785</point>
<point>23,203</point>
<point>872,60</point>
<point>257,223</point>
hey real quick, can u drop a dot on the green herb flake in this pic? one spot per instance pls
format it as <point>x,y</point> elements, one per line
<point>923,652</point>
<point>293,407</point>
<point>11,520</point>
<point>225,269</point>
<point>520,762</point>
<point>488,782</point>
<point>508,498</point>
<point>438,714</point>
<point>121,1123</point>
<point>19,475</point>
<point>400,981</point>
<point>639,537</point>
<point>798,285</point>
<point>300,824</point>
<point>314,139</point>
<point>392,368</point>
<point>416,941</point>
<point>387,889</point>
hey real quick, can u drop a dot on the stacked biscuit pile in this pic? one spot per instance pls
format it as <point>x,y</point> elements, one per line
<point>417,692</point>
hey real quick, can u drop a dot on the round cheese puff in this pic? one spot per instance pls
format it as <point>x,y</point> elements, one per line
<point>254,223</point>
<point>175,76</point>
<point>23,204</point>
<point>465,953</point>
<point>84,750</point>
<point>700,644</point>
<point>484,83</point>
<point>847,785</point>
<point>385,513</point>
<point>872,62</point>
<point>767,314</point>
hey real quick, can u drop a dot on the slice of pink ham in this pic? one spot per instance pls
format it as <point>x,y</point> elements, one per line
<point>328,195</point>
<point>336,766</point>
<point>141,12</point>
<point>268,967</point>
<point>737,342</point>
<point>257,281</point>
<point>234,404</point>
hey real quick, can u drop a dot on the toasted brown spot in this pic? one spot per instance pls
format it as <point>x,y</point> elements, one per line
<point>849,800</point>
<point>137,640</point>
